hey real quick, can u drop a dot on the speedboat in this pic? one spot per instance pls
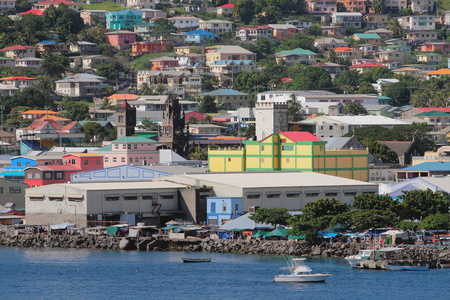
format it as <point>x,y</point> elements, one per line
<point>407,267</point>
<point>299,272</point>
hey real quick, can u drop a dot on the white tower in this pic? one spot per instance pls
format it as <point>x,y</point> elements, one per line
<point>270,118</point>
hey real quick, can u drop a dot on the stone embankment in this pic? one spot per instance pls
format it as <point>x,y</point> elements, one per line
<point>297,248</point>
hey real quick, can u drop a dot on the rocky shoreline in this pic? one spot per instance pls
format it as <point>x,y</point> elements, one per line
<point>291,247</point>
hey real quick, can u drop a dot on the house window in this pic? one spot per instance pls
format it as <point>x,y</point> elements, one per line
<point>112,198</point>
<point>75,198</point>
<point>288,148</point>
<point>135,146</point>
<point>116,146</point>
<point>106,159</point>
<point>130,160</point>
<point>262,159</point>
<point>167,197</point>
<point>229,158</point>
<point>1,190</point>
<point>19,164</point>
<point>254,196</point>
<point>124,146</point>
<point>148,197</point>
<point>349,194</point>
<point>97,162</point>
<point>262,148</point>
<point>136,159</point>
<point>55,198</point>
<point>37,176</point>
<point>292,195</point>
<point>30,176</point>
<point>86,162</point>
<point>122,159</point>
<point>59,175</point>
<point>272,196</point>
<point>15,190</point>
<point>36,198</point>
<point>114,159</point>
<point>48,175</point>
<point>236,207</point>
<point>73,161</point>
<point>130,197</point>
<point>331,194</point>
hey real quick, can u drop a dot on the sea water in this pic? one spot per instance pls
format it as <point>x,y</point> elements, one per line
<point>44,273</point>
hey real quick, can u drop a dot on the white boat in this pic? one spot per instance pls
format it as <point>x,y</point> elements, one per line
<point>367,254</point>
<point>299,272</point>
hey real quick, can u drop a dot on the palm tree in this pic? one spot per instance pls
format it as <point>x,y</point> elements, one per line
<point>396,28</point>
<point>160,89</point>
<point>332,57</point>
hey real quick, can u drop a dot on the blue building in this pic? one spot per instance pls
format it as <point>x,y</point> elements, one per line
<point>221,209</point>
<point>123,19</point>
<point>199,35</point>
<point>16,172</point>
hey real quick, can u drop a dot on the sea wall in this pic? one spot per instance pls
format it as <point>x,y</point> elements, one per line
<point>291,247</point>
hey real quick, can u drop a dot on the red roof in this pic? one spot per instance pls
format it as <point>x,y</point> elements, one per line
<point>428,109</point>
<point>70,125</point>
<point>197,115</point>
<point>56,168</point>
<point>229,5</point>
<point>368,65</point>
<point>18,78</point>
<point>56,2</point>
<point>125,104</point>
<point>39,124</point>
<point>344,49</point>
<point>36,12</point>
<point>17,47</point>
<point>300,136</point>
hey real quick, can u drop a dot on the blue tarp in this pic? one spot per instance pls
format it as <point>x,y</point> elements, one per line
<point>13,173</point>
<point>328,235</point>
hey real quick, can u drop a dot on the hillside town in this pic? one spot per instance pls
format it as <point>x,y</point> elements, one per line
<point>189,115</point>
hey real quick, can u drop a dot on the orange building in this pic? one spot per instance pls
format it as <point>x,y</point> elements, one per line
<point>283,31</point>
<point>164,63</point>
<point>355,5</point>
<point>140,48</point>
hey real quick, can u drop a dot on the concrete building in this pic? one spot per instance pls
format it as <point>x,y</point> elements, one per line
<point>337,126</point>
<point>283,31</point>
<point>321,7</point>
<point>326,44</point>
<point>291,190</point>
<point>87,203</point>
<point>422,6</point>
<point>228,98</point>
<point>216,26</point>
<point>123,19</point>
<point>418,22</point>
<point>426,169</point>
<point>254,33</point>
<point>352,19</point>
<point>46,4</point>
<point>79,87</point>
<point>224,53</point>
<point>220,209</point>
<point>12,192</point>
<point>296,56</point>
<point>290,151</point>
<point>121,39</point>
<point>185,22</point>
<point>92,17</point>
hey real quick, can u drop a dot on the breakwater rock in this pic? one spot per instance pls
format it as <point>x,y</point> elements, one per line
<point>60,241</point>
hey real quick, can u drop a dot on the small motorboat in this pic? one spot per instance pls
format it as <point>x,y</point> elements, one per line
<point>299,272</point>
<point>406,267</point>
<point>195,260</point>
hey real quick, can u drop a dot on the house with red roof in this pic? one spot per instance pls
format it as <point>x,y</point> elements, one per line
<point>51,130</point>
<point>366,67</point>
<point>46,4</point>
<point>36,12</point>
<point>19,51</point>
<point>198,116</point>
<point>226,9</point>
<point>40,175</point>
<point>254,33</point>
<point>291,151</point>
<point>37,114</point>
<point>20,82</point>
<point>348,52</point>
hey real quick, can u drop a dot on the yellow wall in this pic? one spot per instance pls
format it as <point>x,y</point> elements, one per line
<point>304,163</point>
<point>226,160</point>
<point>304,150</point>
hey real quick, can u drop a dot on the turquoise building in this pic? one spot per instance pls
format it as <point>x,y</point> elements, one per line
<point>123,19</point>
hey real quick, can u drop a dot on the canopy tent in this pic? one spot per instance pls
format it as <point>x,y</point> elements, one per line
<point>327,235</point>
<point>112,230</point>
<point>338,228</point>
<point>61,226</point>
<point>244,222</point>
<point>258,234</point>
<point>296,237</point>
<point>280,232</point>
<point>168,227</point>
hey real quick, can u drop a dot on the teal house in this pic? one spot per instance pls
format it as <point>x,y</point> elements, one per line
<point>123,19</point>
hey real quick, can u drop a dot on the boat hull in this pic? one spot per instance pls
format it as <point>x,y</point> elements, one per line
<point>301,278</point>
<point>353,261</point>
<point>195,260</point>
<point>405,268</point>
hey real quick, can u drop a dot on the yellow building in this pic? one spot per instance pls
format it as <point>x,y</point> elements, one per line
<point>288,151</point>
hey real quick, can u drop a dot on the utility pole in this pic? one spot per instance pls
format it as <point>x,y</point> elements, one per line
<point>59,108</point>
<point>2,108</point>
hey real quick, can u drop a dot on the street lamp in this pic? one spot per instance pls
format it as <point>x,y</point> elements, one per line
<point>2,108</point>
<point>59,108</point>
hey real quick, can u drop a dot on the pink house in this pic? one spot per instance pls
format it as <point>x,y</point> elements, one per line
<point>121,39</point>
<point>321,7</point>
<point>130,150</point>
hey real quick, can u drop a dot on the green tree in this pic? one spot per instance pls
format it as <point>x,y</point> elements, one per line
<point>160,88</point>
<point>348,81</point>
<point>294,108</point>
<point>208,105</point>
<point>148,125</point>
<point>192,120</point>
<point>274,216</point>
<point>419,204</point>
<point>244,10</point>
<point>383,152</point>
<point>308,225</point>
<point>325,207</point>
<point>381,72</point>
<point>376,202</point>
<point>379,6</point>
<point>396,28</point>
<point>145,90</point>
<point>437,221</point>
<point>271,14</point>
<point>332,57</point>
<point>53,65</point>
<point>198,154</point>
<point>315,30</point>
<point>164,26</point>
<point>93,132</point>
<point>76,111</point>
<point>399,92</point>
<point>207,120</point>
<point>32,97</point>
<point>308,78</point>
<point>353,108</point>
<point>365,219</point>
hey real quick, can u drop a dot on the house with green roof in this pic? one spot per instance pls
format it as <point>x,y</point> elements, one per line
<point>129,150</point>
<point>228,98</point>
<point>367,38</point>
<point>7,62</point>
<point>438,119</point>
<point>296,56</point>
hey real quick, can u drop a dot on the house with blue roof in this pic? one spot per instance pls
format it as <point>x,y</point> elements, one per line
<point>199,35</point>
<point>426,169</point>
<point>51,45</point>
<point>228,98</point>
<point>123,19</point>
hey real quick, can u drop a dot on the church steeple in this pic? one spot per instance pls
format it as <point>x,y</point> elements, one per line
<point>125,120</point>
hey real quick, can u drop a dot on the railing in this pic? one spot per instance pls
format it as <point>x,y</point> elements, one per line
<point>431,158</point>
